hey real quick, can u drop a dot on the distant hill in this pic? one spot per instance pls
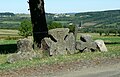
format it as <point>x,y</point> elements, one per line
<point>7,14</point>
<point>90,21</point>
<point>101,19</point>
<point>10,20</point>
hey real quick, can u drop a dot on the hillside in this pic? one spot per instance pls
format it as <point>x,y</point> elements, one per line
<point>11,21</point>
<point>100,18</point>
<point>90,21</point>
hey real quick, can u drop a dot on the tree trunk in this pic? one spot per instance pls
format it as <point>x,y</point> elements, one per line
<point>38,19</point>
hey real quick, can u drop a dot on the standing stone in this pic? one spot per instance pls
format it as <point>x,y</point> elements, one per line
<point>53,48</point>
<point>24,45</point>
<point>24,52</point>
<point>101,45</point>
<point>70,43</point>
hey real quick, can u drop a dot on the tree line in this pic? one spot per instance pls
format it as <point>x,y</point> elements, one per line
<point>6,14</point>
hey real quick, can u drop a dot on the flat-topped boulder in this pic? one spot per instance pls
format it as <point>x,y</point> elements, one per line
<point>86,44</point>
<point>101,45</point>
<point>59,33</point>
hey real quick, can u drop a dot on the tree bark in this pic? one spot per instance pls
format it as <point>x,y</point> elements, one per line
<point>38,19</point>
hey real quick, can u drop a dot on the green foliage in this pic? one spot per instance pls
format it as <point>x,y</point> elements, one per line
<point>72,28</point>
<point>25,28</point>
<point>54,25</point>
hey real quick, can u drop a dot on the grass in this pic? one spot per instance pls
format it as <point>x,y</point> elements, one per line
<point>8,42</point>
<point>96,36</point>
<point>6,35</point>
<point>114,51</point>
<point>3,58</point>
<point>108,38</point>
<point>6,31</point>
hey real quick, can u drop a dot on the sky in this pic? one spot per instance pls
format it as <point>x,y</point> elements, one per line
<point>61,6</point>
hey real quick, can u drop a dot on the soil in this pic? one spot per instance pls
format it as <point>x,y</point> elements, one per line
<point>40,71</point>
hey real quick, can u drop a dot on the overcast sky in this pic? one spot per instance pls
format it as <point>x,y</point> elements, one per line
<point>61,6</point>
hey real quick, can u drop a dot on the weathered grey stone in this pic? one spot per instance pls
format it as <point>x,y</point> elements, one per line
<point>46,43</point>
<point>86,38</point>
<point>60,48</point>
<point>24,45</point>
<point>101,45</point>
<point>25,51</point>
<point>86,44</point>
<point>70,43</point>
<point>59,33</point>
<point>54,48</point>
<point>64,44</point>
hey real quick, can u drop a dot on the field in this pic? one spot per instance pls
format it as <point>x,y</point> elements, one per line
<point>11,22</point>
<point>8,36</point>
<point>5,32</point>
<point>63,22</point>
<point>113,51</point>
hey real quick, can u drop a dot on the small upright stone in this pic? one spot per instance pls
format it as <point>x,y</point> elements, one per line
<point>70,43</point>
<point>24,45</point>
<point>24,51</point>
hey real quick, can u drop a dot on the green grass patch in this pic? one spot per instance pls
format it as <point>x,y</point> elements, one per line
<point>8,42</point>
<point>96,36</point>
<point>3,58</point>
<point>108,38</point>
<point>113,51</point>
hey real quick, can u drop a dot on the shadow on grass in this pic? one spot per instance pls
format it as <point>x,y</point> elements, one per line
<point>8,48</point>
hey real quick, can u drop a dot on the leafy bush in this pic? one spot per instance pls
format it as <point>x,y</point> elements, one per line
<point>25,28</point>
<point>72,28</point>
<point>54,25</point>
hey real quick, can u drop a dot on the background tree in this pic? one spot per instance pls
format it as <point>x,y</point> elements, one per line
<point>25,28</point>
